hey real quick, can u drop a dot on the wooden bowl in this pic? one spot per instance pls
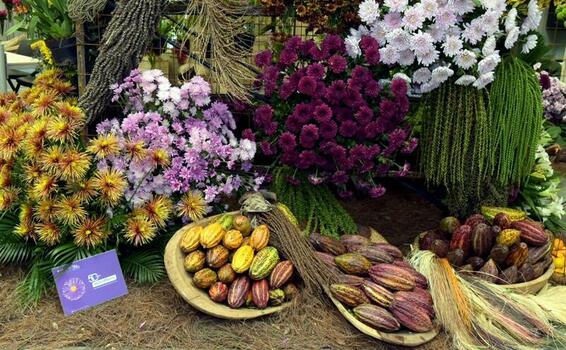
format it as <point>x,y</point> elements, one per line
<point>530,287</point>
<point>198,298</point>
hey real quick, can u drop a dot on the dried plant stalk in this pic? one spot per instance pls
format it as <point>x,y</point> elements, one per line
<point>85,10</point>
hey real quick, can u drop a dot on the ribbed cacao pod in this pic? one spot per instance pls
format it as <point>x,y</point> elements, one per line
<point>476,262</point>
<point>281,274</point>
<point>194,261</point>
<point>249,299</point>
<point>218,292</point>
<point>440,248</point>
<point>226,274</point>
<point>291,291</point>
<point>205,278</point>
<point>449,224</point>
<point>489,272</point>
<point>217,256</point>
<point>326,258</point>
<point>518,254</point>
<point>462,239</point>
<point>404,296</point>
<point>374,254</point>
<point>242,224</point>
<point>509,237</point>
<point>233,239</point>
<point>482,239</point>
<point>264,262</point>
<point>287,213</point>
<point>499,254</point>
<point>391,276</point>
<point>402,263</point>
<point>456,257</point>
<point>238,292</point>
<point>242,259</point>
<point>411,316</point>
<point>513,214</point>
<point>420,279</point>
<point>538,269</point>
<point>354,240</point>
<point>424,294</point>
<point>531,232</point>
<point>475,219</point>
<point>426,239</point>
<point>510,275</point>
<point>353,263</point>
<point>226,221</point>
<point>526,273</point>
<point>260,294</point>
<point>276,297</point>
<point>376,317</point>
<point>389,249</point>
<point>212,235</point>
<point>502,220</point>
<point>352,280</point>
<point>191,239</point>
<point>330,245</point>
<point>536,254</point>
<point>260,237</point>
<point>378,294</point>
<point>349,295</point>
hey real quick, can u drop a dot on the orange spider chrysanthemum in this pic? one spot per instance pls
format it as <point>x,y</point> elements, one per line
<point>62,87</point>
<point>49,233</point>
<point>83,190</point>
<point>44,187</point>
<point>139,230</point>
<point>157,210</point>
<point>8,197</point>
<point>63,130</point>
<point>45,210</point>
<point>32,172</point>
<point>104,146</point>
<point>73,165</point>
<point>111,185</point>
<point>51,158</point>
<point>44,103</point>
<point>26,212</point>
<point>5,114</point>
<point>5,176</point>
<point>135,149</point>
<point>10,141</point>
<point>68,111</point>
<point>26,230</point>
<point>7,98</point>
<point>69,211</point>
<point>192,206</point>
<point>90,233</point>
<point>160,157</point>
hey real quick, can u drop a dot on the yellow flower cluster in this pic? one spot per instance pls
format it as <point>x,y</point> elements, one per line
<point>45,51</point>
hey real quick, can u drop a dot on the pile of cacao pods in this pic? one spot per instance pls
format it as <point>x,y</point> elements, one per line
<point>236,265</point>
<point>501,245</point>
<point>382,290</point>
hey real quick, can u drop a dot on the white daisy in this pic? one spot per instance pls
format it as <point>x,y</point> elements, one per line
<point>488,46</point>
<point>452,45</point>
<point>428,87</point>
<point>429,8</point>
<point>445,17</point>
<point>399,38</point>
<point>483,80</point>
<point>392,20</point>
<point>422,42</point>
<point>465,59</point>
<point>422,75</point>
<point>533,19</point>
<point>413,18</point>
<point>530,44</point>
<point>461,7</point>
<point>368,11</point>
<point>406,57</point>
<point>512,37</point>
<point>378,32</point>
<point>473,32</point>
<point>465,80</point>
<point>403,76</point>
<point>441,74</point>
<point>396,5</point>
<point>490,22</point>
<point>388,55</point>
<point>427,58</point>
<point>352,43</point>
<point>436,33</point>
<point>511,20</point>
<point>489,63</point>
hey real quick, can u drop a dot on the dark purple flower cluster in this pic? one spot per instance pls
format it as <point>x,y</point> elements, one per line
<point>329,116</point>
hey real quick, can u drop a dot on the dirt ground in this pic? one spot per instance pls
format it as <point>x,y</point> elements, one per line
<point>156,317</point>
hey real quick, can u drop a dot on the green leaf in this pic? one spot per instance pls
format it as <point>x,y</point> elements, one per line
<point>35,284</point>
<point>68,252</point>
<point>144,266</point>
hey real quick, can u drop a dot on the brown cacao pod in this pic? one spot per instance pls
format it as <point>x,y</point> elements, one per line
<point>354,240</point>
<point>489,272</point>
<point>510,275</point>
<point>474,220</point>
<point>449,224</point>
<point>276,297</point>
<point>238,292</point>
<point>476,262</point>
<point>260,294</point>
<point>218,292</point>
<point>330,245</point>
<point>217,256</point>
<point>538,270</point>
<point>226,274</point>
<point>389,249</point>
<point>502,220</point>
<point>526,273</point>
<point>349,295</point>
<point>281,274</point>
<point>353,263</point>
<point>411,316</point>
<point>499,254</point>
<point>391,276</point>
<point>404,296</point>
<point>233,239</point>
<point>211,235</point>
<point>378,294</point>
<point>420,279</point>
<point>191,239</point>
<point>426,239</point>
<point>204,278</point>
<point>291,291</point>
<point>456,257</point>
<point>518,254</point>
<point>440,248</point>
<point>260,237</point>
<point>424,294</point>
<point>376,317</point>
<point>402,263</point>
<point>352,280</point>
<point>194,261</point>
<point>462,239</point>
<point>531,232</point>
<point>326,258</point>
<point>374,254</point>
<point>242,224</point>
<point>482,239</point>
<point>537,254</point>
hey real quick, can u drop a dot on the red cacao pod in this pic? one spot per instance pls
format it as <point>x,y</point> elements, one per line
<point>218,292</point>
<point>238,292</point>
<point>260,294</point>
<point>281,274</point>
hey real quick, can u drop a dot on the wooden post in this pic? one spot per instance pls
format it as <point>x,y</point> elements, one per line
<point>81,59</point>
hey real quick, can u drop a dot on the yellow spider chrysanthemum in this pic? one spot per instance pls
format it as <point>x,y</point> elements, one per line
<point>7,98</point>
<point>139,230</point>
<point>135,150</point>
<point>32,172</point>
<point>44,187</point>
<point>90,233</point>
<point>160,157</point>
<point>104,146</point>
<point>10,141</point>
<point>48,233</point>
<point>4,115</point>
<point>111,185</point>
<point>47,75</point>
<point>83,190</point>
<point>192,206</point>
<point>8,197</point>
<point>50,159</point>
<point>5,176</point>
<point>69,112</point>
<point>45,51</point>
<point>157,210</point>
<point>38,130</point>
<point>69,211</point>
<point>33,148</point>
<point>45,210</point>
<point>44,103</point>
<point>74,165</point>
<point>25,230</point>
<point>26,213</point>
<point>62,87</point>
<point>63,130</point>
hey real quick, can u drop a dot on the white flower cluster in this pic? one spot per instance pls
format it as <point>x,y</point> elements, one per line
<point>442,38</point>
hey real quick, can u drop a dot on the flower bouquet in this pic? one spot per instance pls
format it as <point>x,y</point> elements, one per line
<point>329,122</point>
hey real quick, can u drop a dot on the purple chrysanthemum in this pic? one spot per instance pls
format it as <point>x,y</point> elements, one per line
<point>309,136</point>
<point>336,91</point>
<point>307,85</point>
<point>337,64</point>
<point>348,128</point>
<point>286,90</point>
<point>361,74</point>
<point>248,134</point>
<point>322,113</point>
<point>372,88</point>
<point>372,56</point>
<point>263,115</point>
<point>288,57</point>
<point>399,87</point>
<point>303,111</point>
<point>339,178</point>
<point>263,58</point>
<point>267,148</point>
<point>306,159</point>
<point>376,191</point>
<point>368,42</point>
<point>364,115</point>
<point>293,123</point>
<point>333,44</point>
<point>306,46</point>
<point>315,70</point>
<point>287,141</point>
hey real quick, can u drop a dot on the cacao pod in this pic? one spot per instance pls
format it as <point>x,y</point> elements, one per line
<point>424,294</point>
<point>499,254</point>
<point>288,213</point>
<point>440,248</point>
<point>456,257</point>
<point>376,317</point>
<point>482,239</point>
<point>352,280</point>
<point>495,231</point>
<point>476,262</point>
<point>502,220</point>
<point>276,297</point>
<point>536,254</point>
<point>462,239</point>
<point>204,278</point>
<point>489,272</point>
<point>531,232</point>
<point>406,297</point>
<point>249,299</point>
<point>426,239</point>
<point>513,214</point>
<point>449,224</point>
<point>526,273</point>
<point>475,219</point>
<point>194,261</point>
<point>226,221</point>
<point>546,262</point>
<point>411,316</point>
<point>226,274</point>
<point>238,292</point>
<point>217,256</point>
<point>233,239</point>
<point>374,254</point>
<point>378,294</point>
<point>260,237</point>
<point>330,245</point>
<point>242,259</point>
<point>264,262</point>
<point>420,279</point>
<point>242,224</point>
<point>402,263</point>
<point>518,254</point>
<point>326,258</point>
<point>389,249</point>
<point>291,291</point>
<point>260,294</point>
<point>281,274</point>
<point>510,275</point>
<point>538,269</point>
<point>218,292</point>
<point>391,276</point>
<point>353,263</point>
<point>349,295</point>
<point>211,235</point>
<point>356,240</point>
<point>191,239</point>
<point>509,237</point>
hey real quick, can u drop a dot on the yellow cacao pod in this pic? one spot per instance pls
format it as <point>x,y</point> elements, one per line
<point>191,239</point>
<point>194,261</point>
<point>242,224</point>
<point>509,237</point>
<point>260,237</point>
<point>211,235</point>
<point>242,259</point>
<point>226,221</point>
<point>288,213</point>
<point>514,214</point>
<point>233,239</point>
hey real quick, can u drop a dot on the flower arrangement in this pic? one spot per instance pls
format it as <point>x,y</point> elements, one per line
<point>328,117</point>
<point>554,98</point>
<point>432,40</point>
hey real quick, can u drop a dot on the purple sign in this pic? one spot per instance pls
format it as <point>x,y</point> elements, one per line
<point>89,282</point>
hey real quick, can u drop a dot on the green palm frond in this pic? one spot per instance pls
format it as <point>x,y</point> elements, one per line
<point>35,284</point>
<point>144,266</point>
<point>68,252</point>
<point>13,249</point>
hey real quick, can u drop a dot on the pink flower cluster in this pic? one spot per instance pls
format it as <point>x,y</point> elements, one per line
<point>181,122</point>
<point>328,116</point>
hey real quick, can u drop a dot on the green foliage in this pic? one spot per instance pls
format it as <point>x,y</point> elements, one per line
<point>36,283</point>
<point>314,206</point>
<point>144,266</point>
<point>13,249</point>
<point>46,19</point>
